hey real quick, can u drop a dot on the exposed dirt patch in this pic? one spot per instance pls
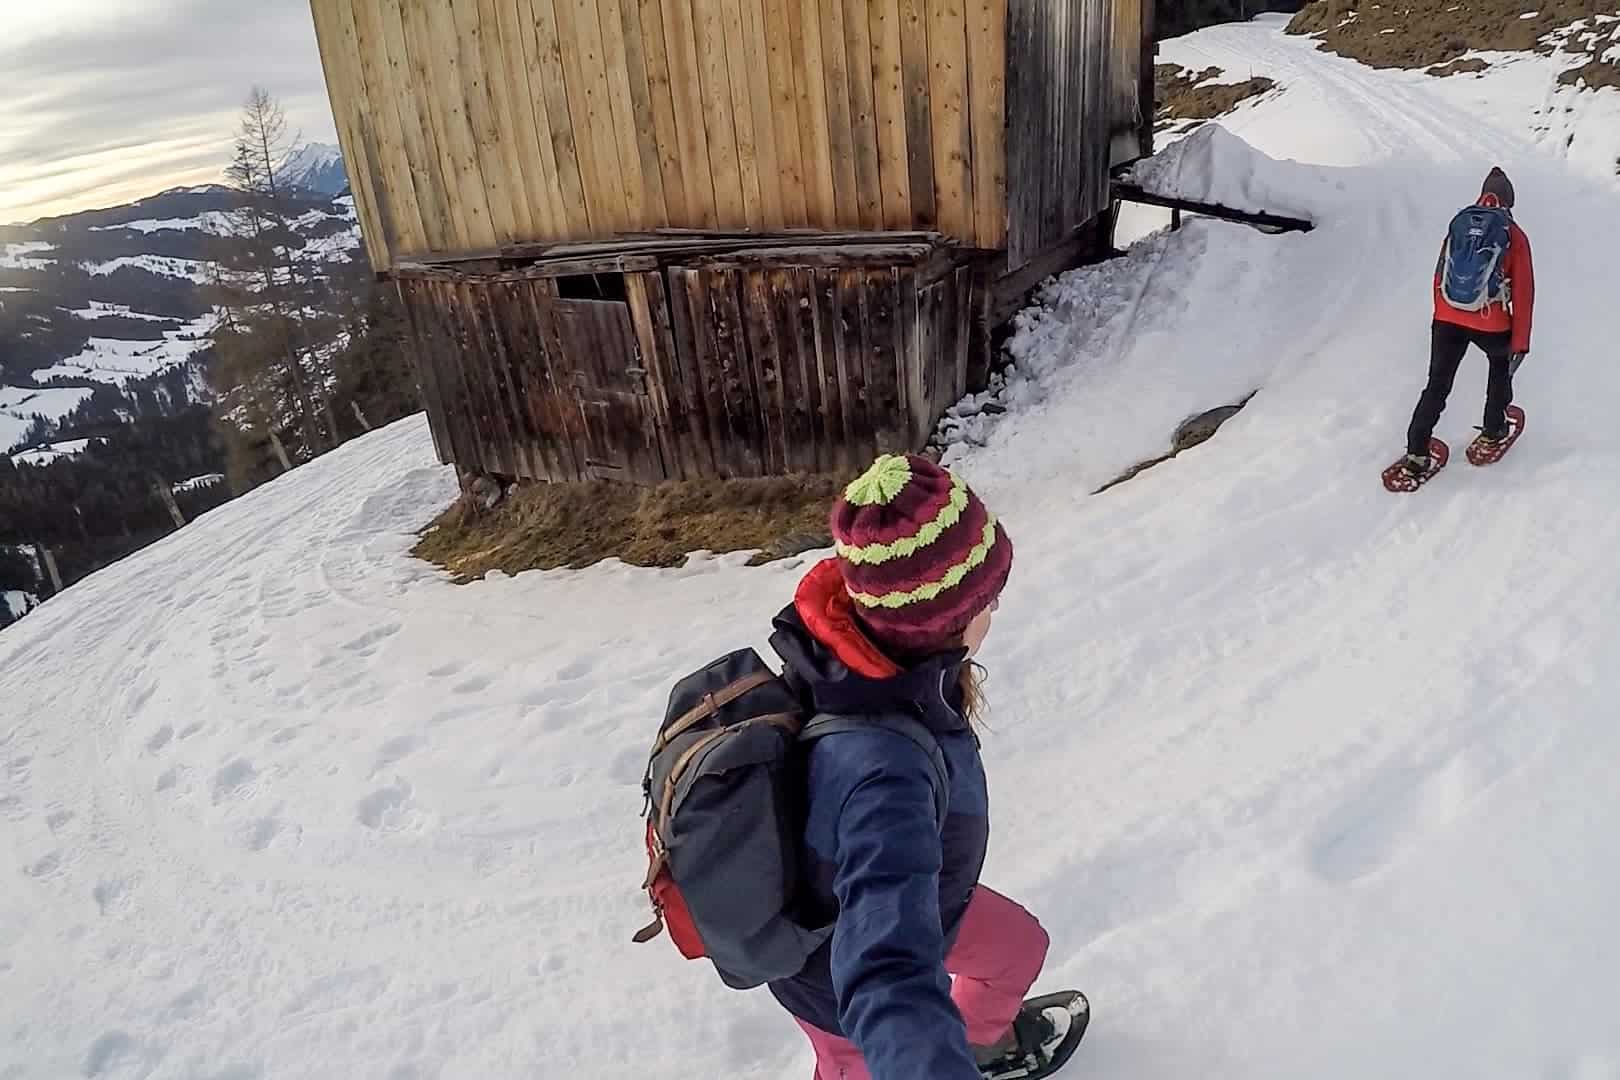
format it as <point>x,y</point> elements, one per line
<point>1473,65</point>
<point>545,526</point>
<point>1189,433</point>
<point>1429,33</point>
<point>1186,95</point>
<point>1593,75</point>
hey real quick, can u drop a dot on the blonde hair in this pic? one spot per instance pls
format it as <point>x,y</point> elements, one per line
<point>975,706</point>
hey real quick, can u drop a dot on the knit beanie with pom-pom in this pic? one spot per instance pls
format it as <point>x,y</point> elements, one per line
<point>920,555</point>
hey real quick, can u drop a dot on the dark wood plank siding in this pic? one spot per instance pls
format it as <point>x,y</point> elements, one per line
<point>1066,99</point>
<point>752,363</point>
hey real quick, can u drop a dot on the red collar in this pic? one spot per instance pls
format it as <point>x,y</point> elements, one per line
<point>823,603</point>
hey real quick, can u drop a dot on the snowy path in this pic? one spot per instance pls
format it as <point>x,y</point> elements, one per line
<point>1304,779</point>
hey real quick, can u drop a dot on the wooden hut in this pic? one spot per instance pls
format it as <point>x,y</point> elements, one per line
<point>653,239</point>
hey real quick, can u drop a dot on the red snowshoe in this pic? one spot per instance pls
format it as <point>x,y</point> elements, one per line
<point>1400,477</point>
<point>1483,451</point>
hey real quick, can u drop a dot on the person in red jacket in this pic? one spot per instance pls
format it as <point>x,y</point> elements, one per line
<point>1496,318</point>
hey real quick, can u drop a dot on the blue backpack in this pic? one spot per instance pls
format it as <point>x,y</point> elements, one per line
<point>1472,275</point>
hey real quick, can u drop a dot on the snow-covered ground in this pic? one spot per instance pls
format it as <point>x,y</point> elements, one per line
<point>1518,95</point>
<point>216,222</point>
<point>44,455</point>
<point>163,265</point>
<point>195,482</point>
<point>17,603</point>
<point>19,405</point>
<point>117,362</point>
<point>100,309</point>
<point>1303,778</point>
<point>25,255</point>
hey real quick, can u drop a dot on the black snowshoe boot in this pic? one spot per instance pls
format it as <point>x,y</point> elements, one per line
<point>1030,1032</point>
<point>1043,1036</point>
<point>1416,464</point>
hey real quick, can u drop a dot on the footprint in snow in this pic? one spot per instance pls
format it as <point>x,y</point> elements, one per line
<point>262,832</point>
<point>45,867</point>
<point>473,685</point>
<point>160,738</point>
<point>576,670</point>
<point>58,818</point>
<point>110,895</point>
<point>232,778</point>
<point>110,1051</point>
<point>367,643</point>
<point>385,809</point>
<point>396,748</point>
<point>1371,832</point>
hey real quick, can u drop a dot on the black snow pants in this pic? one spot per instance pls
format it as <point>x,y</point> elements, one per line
<point>1446,348</point>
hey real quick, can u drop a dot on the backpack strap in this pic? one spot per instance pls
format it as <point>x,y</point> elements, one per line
<point>825,724</point>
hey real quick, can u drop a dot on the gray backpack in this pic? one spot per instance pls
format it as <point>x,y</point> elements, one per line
<point>725,806</point>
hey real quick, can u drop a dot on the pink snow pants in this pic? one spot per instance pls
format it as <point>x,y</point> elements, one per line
<point>999,951</point>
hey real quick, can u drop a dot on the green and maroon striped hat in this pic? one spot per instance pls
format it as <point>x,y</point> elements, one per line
<point>920,554</point>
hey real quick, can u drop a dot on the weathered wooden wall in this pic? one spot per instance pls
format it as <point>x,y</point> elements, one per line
<point>754,363</point>
<point>471,124</point>
<point>1074,103</point>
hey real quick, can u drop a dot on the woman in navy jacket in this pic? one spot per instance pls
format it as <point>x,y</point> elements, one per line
<point>889,626</point>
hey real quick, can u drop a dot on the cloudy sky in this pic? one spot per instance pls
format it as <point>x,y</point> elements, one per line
<point>104,101</point>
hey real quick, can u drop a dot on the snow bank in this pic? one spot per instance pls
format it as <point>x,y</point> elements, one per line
<point>1213,165</point>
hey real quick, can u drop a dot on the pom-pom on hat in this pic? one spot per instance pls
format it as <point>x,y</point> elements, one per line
<point>920,555</point>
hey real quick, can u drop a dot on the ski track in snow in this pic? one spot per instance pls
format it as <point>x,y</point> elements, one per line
<point>1303,778</point>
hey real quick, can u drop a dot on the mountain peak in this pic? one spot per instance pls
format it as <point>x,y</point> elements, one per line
<point>316,167</point>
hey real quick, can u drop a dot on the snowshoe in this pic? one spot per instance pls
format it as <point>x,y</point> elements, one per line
<point>1488,447</point>
<point>1409,474</point>
<point>1043,1038</point>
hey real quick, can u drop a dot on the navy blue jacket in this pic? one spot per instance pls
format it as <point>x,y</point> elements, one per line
<point>896,878</point>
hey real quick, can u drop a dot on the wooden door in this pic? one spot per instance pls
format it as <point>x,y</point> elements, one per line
<point>609,376</point>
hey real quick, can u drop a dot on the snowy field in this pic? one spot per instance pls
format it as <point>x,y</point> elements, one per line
<point>100,309</point>
<point>163,265</point>
<point>44,455</point>
<point>25,255</point>
<point>117,362</point>
<point>19,405</point>
<point>214,222</point>
<point>1303,778</point>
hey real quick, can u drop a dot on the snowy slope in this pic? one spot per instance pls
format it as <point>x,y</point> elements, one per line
<point>44,455</point>
<point>116,362</point>
<point>316,167</point>
<point>1304,779</point>
<point>19,405</point>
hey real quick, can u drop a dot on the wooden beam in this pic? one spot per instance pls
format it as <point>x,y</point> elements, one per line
<point>1258,218</point>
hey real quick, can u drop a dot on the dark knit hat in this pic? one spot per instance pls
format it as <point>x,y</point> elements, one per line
<point>920,555</point>
<point>1498,184</point>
